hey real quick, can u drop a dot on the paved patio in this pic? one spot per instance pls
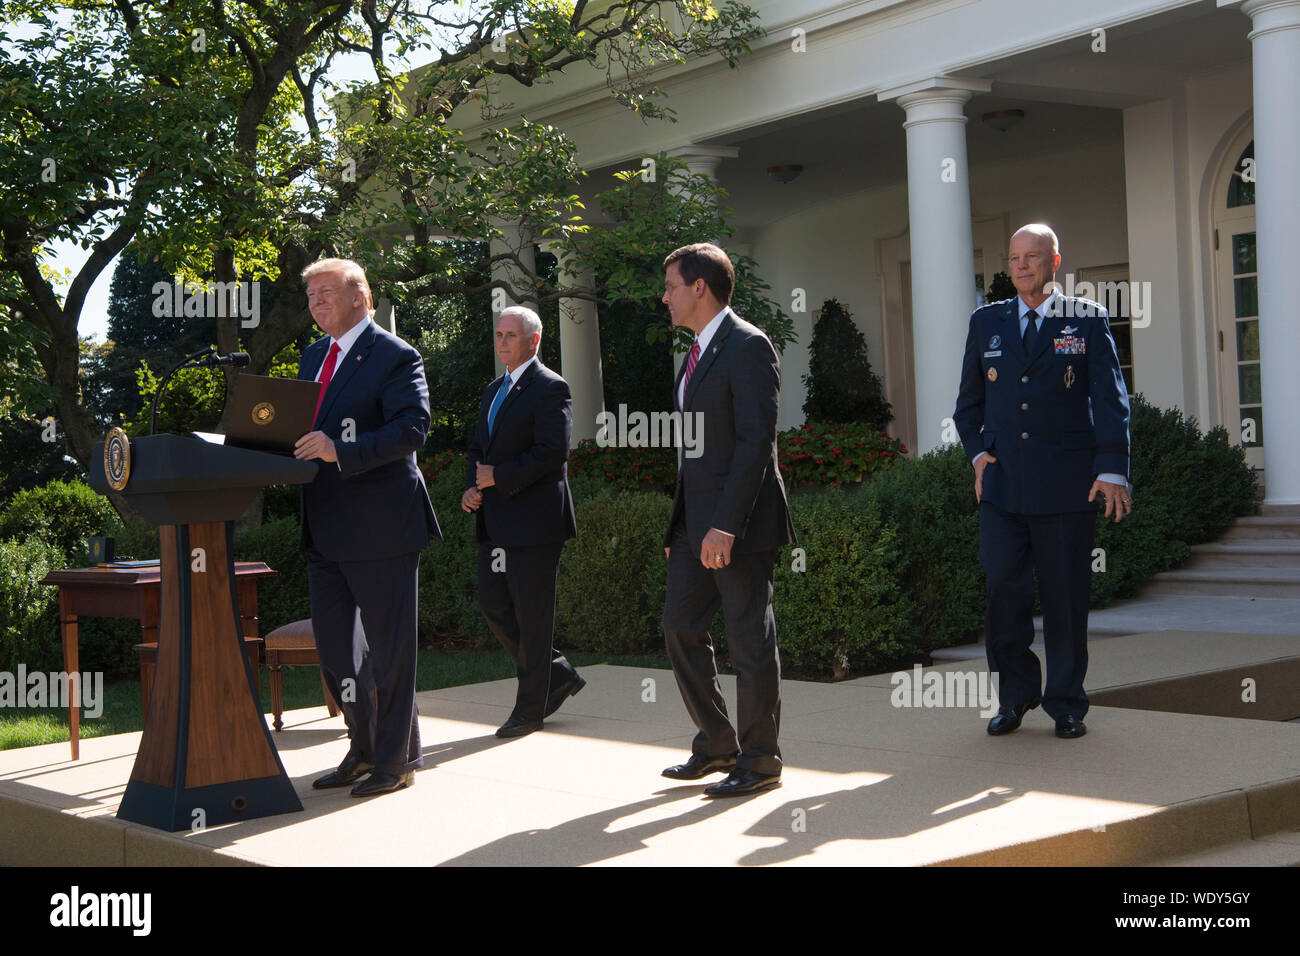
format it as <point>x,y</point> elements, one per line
<point>866,783</point>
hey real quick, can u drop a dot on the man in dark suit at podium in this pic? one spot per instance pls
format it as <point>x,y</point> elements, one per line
<point>517,484</point>
<point>729,518</point>
<point>1043,414</point>
<point>365,518</point>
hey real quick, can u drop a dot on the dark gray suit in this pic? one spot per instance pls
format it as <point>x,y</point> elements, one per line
<point>735,486</point>
<point>528,513</point>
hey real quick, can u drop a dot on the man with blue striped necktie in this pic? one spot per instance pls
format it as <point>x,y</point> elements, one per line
<point>517,487</point>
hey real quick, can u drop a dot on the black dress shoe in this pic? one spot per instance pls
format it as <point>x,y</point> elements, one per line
<point>698,767</point>
<point>1070,727</point>
<point>1008,719</point>
<point>349,772</point>
<point>514,727</point>
<point>381,781</point>
<point>741,781</point>
<point>559,695</point>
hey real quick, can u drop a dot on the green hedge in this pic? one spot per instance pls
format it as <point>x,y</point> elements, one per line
<point>29,612</point>
<point>63,514</point>
<point>602,600</point>
<point>930,503</point>
<point>840,605</point>
<point>1188,488</point>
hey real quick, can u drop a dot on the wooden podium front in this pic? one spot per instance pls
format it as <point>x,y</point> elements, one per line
<point>206,756</point>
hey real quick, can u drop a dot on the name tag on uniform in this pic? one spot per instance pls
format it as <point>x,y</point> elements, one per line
<point>997,354</point>
<point>1070,345</point>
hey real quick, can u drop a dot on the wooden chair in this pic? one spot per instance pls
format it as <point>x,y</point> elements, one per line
<point>289,645</point>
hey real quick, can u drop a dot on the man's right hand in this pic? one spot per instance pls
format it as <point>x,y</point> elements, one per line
<point>981,463</point>
<point>471,499</point>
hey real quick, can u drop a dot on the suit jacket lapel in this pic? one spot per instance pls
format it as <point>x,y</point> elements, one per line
<point>524,381</point>
<point>1011,325</point>
<point>347,368</point>
<point>313,356</point>
<point>707,357</point>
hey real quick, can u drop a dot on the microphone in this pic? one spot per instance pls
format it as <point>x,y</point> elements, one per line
<point>234,360</point>
<point>204,358</point>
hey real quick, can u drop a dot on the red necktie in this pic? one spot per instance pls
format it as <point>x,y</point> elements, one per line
<point>690,367</point>
<point>326,373</point>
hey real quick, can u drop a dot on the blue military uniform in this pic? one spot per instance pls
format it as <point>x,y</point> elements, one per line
<point>1054,420</point>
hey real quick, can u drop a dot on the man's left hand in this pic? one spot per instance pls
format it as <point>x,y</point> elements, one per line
<point>715,551</point>
<point>315,445</point>
<point>1117,497</point>
<point>483,476</point>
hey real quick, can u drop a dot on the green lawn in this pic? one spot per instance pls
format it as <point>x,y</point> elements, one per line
<point>435,669</point>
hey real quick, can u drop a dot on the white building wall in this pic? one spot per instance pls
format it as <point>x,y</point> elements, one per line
<point>829,249</point>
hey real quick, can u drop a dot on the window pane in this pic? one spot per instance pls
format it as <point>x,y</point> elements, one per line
<point>1248,389</point>
<point>1248,341</point>
<point>1123,343</point>
<point>1246,292</point>
<point>1240,192</point>
<point>1252,437</point>
<point>1243,253</point>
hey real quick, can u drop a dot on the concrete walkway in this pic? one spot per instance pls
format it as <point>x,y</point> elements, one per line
<point>866,782</point>
<point>1142,615</point>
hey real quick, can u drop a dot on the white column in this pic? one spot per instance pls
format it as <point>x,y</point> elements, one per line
<point>1275,56</point>
<point>385,315</point>
<point>701,161</point>
<point>580,347</point>
<point>704,160</point>
<point>943,254</point>
<point>514,241</point>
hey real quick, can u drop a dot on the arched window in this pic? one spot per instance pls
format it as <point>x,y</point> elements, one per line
<point>1241,191</point>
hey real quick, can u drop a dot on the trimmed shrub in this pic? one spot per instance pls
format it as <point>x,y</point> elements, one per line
<point>63,514</point>
<point>829,453</point>
<point>930,505</point>
<point>1188,488</point>
<point>846,612</point>
<point>449,569</point>
<point>29,612</point>
<point>625,468</point>
<point>841,384</point>
<point>603,603</point>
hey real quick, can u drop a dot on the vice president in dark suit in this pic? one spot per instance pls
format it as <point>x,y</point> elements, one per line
<point>1043,415</point>
<point>729,518</point>
<point>517,484</point>
<point>365,518</point>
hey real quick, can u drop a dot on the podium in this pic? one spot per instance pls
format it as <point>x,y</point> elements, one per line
<point>206,756</point>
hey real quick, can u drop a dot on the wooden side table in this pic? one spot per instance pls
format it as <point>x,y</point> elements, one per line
<point>132,592</point>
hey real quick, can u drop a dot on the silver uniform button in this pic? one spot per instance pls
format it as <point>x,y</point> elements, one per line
<point>1024,434</point>
<point>1024,379</point>
<point>1024,406</point>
